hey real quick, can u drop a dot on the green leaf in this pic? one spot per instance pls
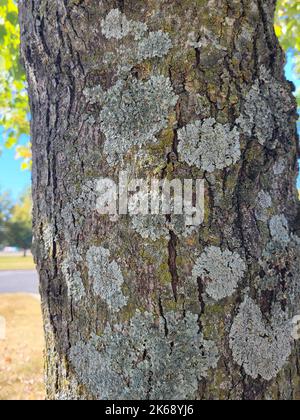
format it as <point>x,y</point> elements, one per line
<point>3,32</point>
<point>12,17</point>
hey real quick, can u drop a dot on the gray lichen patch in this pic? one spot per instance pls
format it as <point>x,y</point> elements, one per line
<point>279,167</point>
<point>48,239</point>
<point>72,276</point>
<point>279,229</point>
<point>156,44</point>
<point>150,227</point>
<point>265,110</point>
<point>117,26</point>
<point>143,45</point>
<point>261,347</point>
<point>153,45</point>
<point>209,46</point>
<point>155,227</point>
<point>207,39</point>
<point>178,225</point>
<point>139,361</point>
<point>82,200</point>
<point>263,205</point>
<point>94,95</point>
<point>134,112</point>
<point>257,119</point>
<point>107,278</point>
<point>209,145</point>
<point>221,271</point>
<point>281,267</point>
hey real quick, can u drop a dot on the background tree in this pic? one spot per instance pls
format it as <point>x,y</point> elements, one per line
<point>5,210</point>
<point>19,224</point>
<point>145,308</point>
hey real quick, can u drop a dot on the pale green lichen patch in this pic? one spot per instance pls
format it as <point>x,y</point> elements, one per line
<point>207,39</point>
<point>150,227</point>
<point>279,167</point>
<point>134,112</point>
<point>156,44</point>
<point>209,46</point>
<point>144,45</point>
<point>279,229</point>
<point>281,267</point>
<point>178,225</point>
<point>265,109</point>
<point>107,278</point>
<point>140,360</point>
<point>48,239</point>
<point>221,271</point>
<point>257,118</point>
<point>81,203</point>
<point>261,347</point>
<point>155,227</point>
<point>72,276</point>
<point>209,145</point>
<point>263,205</point>
<point>117,26</point>
<point>94,95</point>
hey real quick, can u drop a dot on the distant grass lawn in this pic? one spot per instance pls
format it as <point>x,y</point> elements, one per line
<point>21,352</point>
<point>16,263</point>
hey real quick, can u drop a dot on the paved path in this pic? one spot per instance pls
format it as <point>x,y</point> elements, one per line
<point>19,282</point>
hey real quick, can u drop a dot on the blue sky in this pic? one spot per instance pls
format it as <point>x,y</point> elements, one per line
<point>14,180</point>
<point>291,76</point>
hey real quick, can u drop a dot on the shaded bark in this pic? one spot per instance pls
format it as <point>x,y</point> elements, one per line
<point>224,63</point>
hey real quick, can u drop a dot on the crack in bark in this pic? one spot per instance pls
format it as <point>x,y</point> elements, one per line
<point>172,262</point>
<point>161,312</point>
<point>42,38</point>
<point>121,5</point>
<point>172,245</point>
<point>239,200</point>
<point>267,29</point>
<point>201,301</point>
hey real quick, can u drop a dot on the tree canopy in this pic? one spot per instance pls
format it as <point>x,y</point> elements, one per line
<point>5,211</point>
<point>287,28</point>
<point>16,221</point>
<point>20,223</point>
<point>14,107</point>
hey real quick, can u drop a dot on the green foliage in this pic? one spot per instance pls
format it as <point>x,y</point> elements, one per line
<point>16,221</point>
<point>20,223</point>
<point>287,28</point>
<point>5,206</point>
<point>14,107</point>
<point>5,211</point>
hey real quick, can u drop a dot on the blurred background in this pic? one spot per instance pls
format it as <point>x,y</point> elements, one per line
<point>21,336</point>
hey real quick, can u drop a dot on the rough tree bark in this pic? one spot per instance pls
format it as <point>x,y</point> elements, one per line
<point>143,308</point>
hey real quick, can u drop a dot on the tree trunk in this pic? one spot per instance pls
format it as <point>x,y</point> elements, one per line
<point>142,307</point>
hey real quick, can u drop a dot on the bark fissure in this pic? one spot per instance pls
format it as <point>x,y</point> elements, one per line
<point>161,312</point>
<point>172,262</point>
